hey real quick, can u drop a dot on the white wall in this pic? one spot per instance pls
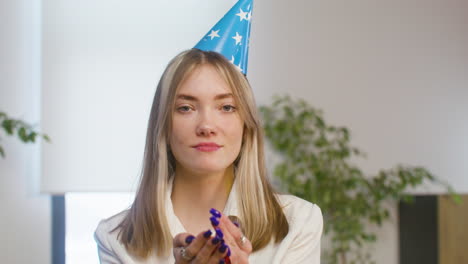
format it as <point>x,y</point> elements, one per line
<point>25,233</point>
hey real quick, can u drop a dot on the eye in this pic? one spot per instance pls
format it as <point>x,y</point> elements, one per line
<point>229,108</point>
<point>184,109</point>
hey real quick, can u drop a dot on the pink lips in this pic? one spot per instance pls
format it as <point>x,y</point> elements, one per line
<point>207,146</point>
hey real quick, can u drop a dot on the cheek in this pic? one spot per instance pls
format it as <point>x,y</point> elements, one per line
<point>179,131</point>
<point>236,131</point>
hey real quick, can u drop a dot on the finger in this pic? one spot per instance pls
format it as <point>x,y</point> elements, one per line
<point>198,242</point>
<point>219,226</point>
<point>177,251</point>
<point>237,255</point>
<point>192,244</point>
<point>219,254</point>
<point>239,250</point>
<point>236,239</point>
<point>236,221</point>
<point>180,240</point>
<point>179,243</point>
<point>207,250</point>
<point>234,234</point>
<point>219,220</point>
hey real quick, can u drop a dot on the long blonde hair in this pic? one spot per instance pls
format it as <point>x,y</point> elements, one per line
<point>145,228</point>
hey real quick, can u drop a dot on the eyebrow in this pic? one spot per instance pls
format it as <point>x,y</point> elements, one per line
<point>193,98</point>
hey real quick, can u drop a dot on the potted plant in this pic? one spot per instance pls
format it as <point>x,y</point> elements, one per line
<point>316,166</point>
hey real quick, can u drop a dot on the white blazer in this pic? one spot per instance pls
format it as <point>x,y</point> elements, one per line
<point>301,245</point>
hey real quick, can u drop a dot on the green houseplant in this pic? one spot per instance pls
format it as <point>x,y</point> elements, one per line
<point>25,132</point>
<point>317,166</point>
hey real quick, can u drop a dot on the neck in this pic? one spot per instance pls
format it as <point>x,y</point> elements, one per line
<point>208,190</point>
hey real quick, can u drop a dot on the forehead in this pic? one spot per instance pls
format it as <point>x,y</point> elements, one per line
<point>204,80</point>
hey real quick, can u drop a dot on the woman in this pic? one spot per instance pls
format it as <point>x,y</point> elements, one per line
<point>203,156</point>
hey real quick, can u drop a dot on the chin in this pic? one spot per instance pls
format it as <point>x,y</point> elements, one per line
<point>210,167</point>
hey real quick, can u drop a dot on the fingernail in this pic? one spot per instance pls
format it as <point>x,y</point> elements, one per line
<point>222,248</point>
<point>221,261</point>
<point>215,212</point>
<point>215,241</point>
<point>189,239</point>
<point>229,251</point>
<point>207,234</point>
<point>214,221</point>
<point>219,233</point>
<point>236,223</point>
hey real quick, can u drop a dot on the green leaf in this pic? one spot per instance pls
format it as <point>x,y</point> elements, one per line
<point>7,124</point>
<point>32,136</point>
<point>455,196</point>
<point>46,137</point>
<point>22,134</point>
<point>24,131</point>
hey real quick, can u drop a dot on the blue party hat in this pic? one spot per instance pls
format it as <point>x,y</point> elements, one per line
<point>230,36</point>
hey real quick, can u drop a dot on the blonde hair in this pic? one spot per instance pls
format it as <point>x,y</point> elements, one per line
<point>145,228</point>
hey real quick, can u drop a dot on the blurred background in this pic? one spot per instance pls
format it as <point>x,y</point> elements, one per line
<point>394,72</point>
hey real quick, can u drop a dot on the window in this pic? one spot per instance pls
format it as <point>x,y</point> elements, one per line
<point>83,213</point>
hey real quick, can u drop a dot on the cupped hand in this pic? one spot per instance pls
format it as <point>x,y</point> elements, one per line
<point>202,249</point>
<point>240,247</point>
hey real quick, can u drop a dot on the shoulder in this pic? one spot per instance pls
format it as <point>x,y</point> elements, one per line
<point>105,233</point>
<point>299,211</point>
<point>302,243</point>
<point>112,222</point>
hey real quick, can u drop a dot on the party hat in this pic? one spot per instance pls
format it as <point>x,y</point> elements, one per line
<point>230,36</point>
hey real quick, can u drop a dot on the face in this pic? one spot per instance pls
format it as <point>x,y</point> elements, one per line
<point>206,126</point>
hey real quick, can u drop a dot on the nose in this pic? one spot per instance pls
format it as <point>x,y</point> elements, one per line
<point>206,126</point>
<point>205,130</point>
